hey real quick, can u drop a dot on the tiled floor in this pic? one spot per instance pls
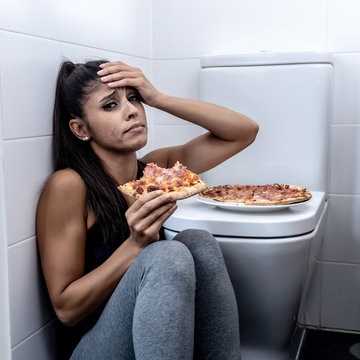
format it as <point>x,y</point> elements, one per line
<point>328,345</point>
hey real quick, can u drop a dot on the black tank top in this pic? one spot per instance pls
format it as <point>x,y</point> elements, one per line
<point>96,251</point>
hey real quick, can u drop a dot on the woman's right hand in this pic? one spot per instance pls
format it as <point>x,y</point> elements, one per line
<point>118,74</point>
<point>146,216</point>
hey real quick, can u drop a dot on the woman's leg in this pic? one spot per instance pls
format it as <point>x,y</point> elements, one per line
<point>216,314</point>
<point>150,315</point>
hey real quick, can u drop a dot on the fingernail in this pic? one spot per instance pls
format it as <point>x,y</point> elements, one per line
<point>100,72</point>
<point>102,65</point>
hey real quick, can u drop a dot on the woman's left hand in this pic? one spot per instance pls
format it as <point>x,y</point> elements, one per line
<point>118,74</point>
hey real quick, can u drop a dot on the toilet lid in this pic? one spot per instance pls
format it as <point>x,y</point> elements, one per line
<point>284,221</point>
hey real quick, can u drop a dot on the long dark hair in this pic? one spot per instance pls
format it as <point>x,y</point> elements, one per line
<point>74,84</point>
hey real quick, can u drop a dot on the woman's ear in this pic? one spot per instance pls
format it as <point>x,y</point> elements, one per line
<point>79,129</point>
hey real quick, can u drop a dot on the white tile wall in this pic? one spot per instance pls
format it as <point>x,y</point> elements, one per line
<point>39,346</point>
<point>340,253</point>
<point>115,25</point>
<point>193,28</point>
<point>79,53</point>
<point>27,84</point>
<point>27,163</point>
<point>340,308</point>
<point>342,243</point>
<point>29,305</point>
<point>161,134</point>
<point>343,230</point>
<point>343,25</point>
<point>345,164</point>
<point>176,78</point>
<point>35,17</point>
<point>347,88</point>
<point>4,284</point>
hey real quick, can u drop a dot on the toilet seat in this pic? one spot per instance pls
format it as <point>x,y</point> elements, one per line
<point>293,221</point>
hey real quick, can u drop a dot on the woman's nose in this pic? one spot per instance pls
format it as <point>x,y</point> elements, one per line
<point>131,109</point>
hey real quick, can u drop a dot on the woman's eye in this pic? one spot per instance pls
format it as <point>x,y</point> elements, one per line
<point>133,98</point>
<point>109,105</point>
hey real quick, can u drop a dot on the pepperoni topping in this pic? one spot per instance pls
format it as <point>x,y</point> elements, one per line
<point>178,182</point>
<point>152,171</point>
<point>152,188</point>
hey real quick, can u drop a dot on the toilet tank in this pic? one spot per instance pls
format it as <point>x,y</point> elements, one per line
<point>289,96</point>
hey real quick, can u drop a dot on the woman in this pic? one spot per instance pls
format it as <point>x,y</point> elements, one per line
<point>126,294</point>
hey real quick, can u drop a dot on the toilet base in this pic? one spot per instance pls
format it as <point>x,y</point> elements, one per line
<point>268,277</point>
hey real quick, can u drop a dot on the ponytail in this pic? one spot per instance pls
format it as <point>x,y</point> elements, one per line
<point>74,85</point>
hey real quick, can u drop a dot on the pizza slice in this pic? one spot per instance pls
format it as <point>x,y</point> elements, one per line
<point>178,181</point>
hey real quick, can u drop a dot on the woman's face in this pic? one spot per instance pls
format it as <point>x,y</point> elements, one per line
<point>116,119</point>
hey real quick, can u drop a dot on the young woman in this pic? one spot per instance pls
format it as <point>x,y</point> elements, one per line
<point>125,293</point>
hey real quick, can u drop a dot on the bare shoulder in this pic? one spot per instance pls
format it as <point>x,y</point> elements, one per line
<point>66,181</point>
<point>65,178</point>
<point>63,188</point>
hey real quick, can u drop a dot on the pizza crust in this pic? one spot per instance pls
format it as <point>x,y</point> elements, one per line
<point>187,191</point>
<point>282,202</point>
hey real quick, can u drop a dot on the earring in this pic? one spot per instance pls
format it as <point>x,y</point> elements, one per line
<point>85,138</point>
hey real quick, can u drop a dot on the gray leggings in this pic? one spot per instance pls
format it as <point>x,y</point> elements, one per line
<point>175,302</point>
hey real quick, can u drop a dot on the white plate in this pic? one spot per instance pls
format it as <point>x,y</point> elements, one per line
<point>247,208</point>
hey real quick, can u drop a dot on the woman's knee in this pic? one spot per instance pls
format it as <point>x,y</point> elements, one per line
<point>198,239</point>
<point>204,248</point>
<point>171,258</point>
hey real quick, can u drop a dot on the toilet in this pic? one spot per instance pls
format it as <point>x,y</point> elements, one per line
<point>270,252</point>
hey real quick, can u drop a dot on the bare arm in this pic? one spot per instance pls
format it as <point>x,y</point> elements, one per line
<point>228,131</point>
<point>61,230</point>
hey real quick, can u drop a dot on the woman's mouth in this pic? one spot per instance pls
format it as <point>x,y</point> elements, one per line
<point>137,127</point>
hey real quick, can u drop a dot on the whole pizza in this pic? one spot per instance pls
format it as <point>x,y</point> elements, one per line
<point>261,195</point>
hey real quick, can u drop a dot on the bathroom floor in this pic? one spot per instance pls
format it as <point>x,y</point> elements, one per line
<point>328,345</point>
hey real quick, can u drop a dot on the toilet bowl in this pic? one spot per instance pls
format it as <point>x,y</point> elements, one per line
<point>270,252</point>
<point>268,256</point>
